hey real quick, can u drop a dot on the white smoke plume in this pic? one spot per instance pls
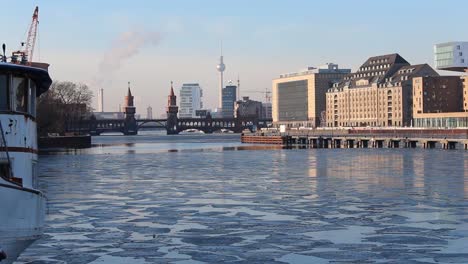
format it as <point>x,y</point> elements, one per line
<point>127,45</point>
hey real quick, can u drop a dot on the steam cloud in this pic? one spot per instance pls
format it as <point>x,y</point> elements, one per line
<point>127,45</point>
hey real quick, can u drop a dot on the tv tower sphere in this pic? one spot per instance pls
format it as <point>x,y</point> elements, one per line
<point>221,67</point>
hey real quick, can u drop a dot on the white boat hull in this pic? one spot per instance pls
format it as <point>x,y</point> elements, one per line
<point>22,214</point>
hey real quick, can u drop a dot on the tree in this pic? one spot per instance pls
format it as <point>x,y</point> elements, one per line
<point>64,103</point>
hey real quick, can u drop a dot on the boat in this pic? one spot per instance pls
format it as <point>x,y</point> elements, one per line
<point>22,204</point>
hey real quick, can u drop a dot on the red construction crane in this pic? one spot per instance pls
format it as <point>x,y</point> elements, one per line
<point>32,33</point>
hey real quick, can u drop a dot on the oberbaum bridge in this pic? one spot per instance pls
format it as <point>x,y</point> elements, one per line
<point>172,124</point>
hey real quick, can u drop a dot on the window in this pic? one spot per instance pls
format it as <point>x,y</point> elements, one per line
<point>4,169</point>
<point>20,90</point>
<point>4,92</point>
<point>32,98</point>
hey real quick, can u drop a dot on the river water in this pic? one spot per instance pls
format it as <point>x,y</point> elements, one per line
<point>209,199</point>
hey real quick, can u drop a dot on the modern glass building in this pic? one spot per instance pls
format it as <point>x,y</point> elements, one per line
<point>229,98</point>
<point>299,98</point>
<point>452,56</point>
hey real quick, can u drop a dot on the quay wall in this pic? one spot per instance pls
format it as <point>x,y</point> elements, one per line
<point>364,138</point>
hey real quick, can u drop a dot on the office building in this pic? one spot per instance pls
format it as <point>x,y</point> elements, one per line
<point>149,112</point>
<point>437,94</point>
<point>229,98</point>
<point>438,102</point>
<point>451,56</point>
<point>299,98</point>
<point>101,100</point>
<point>248,108</point>
<point>190,100</point>
<point>378,94</point>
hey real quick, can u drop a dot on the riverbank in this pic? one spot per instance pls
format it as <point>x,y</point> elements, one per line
<point>64,142</point>
<point>364,138</point>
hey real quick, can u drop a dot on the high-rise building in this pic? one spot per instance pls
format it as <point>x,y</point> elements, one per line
<point>299,97</point>
<point>149,112</point>
<point>101,100</point>
<point>248,108</point>
<point>190,100</point>
<point>220,67</point>
<point>228,99</point>
<point>379,93</point>
<point>452,56</point>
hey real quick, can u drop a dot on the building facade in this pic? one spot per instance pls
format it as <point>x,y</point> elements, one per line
<point>437,94</point>
<point>248,108</point>
<point>439,102</point>
<point>267,108</point>
<point>190,100</point>
<point>378,94</point>
<point>229,98</point>
<point>101,100</point>
<point>149,112</point>
<point>465,91</point>
<point>298,98</point>
<point>452,56</point>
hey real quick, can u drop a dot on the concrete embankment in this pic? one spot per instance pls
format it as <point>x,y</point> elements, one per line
<point>365,138</point>
<point>64,142</point>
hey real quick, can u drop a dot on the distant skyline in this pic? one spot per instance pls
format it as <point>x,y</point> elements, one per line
<point>105,44</point>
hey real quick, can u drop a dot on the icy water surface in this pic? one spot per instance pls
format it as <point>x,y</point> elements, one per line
<point>209,199</point>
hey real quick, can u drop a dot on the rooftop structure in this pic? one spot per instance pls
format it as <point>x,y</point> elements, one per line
<point>451,56</point>
<point>326,68</point>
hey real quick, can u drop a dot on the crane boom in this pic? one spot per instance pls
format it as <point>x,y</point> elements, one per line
<point>32,33</point>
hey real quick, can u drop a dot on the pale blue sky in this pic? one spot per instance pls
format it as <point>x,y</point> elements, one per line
<point>179,40</point>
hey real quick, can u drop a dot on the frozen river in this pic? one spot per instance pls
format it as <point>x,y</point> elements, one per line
<point>209,199</point>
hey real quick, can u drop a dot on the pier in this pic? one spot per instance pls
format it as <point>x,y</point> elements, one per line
<point>364,138</point>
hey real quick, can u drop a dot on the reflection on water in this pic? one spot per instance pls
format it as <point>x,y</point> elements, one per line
<point>209,199</point>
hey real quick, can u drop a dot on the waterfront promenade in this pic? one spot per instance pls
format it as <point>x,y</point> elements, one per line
<point>364,138</point>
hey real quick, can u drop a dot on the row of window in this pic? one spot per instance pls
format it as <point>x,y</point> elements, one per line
<point>17,94</point>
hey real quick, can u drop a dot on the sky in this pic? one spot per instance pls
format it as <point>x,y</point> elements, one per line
<point>151,43</point>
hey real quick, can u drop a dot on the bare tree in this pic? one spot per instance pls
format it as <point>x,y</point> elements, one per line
<point>65,102</point>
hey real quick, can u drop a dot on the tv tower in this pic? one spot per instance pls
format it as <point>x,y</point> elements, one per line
<point>221,67</point>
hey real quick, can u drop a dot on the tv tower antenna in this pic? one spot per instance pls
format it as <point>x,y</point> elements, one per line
<point>221,67</point>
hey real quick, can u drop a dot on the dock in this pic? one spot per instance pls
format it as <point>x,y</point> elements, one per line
<point>364,138</point>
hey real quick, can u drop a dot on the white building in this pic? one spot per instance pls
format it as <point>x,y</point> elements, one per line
<point>452,56</point>
<point>190,100</point>
<point>149,112</point>
<point>101,100</point>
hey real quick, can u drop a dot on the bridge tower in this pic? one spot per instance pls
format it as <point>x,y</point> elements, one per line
<point>171,111</point>
<point>130,125</point>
